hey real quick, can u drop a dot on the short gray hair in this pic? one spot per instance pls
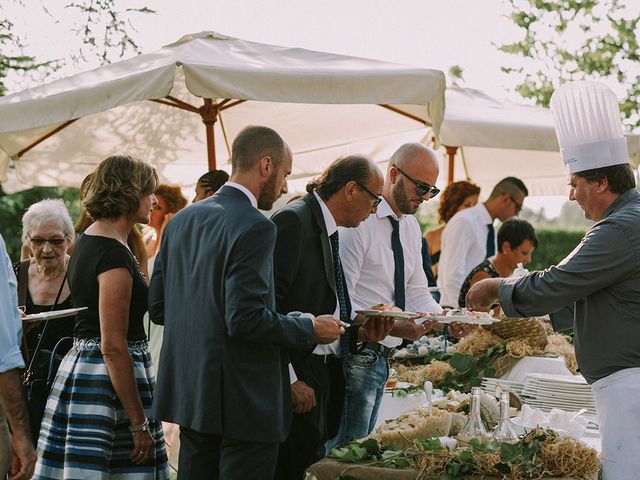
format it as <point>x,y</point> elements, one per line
<point>47,211</point>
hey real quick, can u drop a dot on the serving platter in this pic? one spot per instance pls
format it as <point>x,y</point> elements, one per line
<point>461,319</point>
<point>38,317</point>
<point>384,313</point>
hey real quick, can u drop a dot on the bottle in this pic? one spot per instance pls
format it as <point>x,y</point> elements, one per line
<point>520,271</point>
<point>504,430</point>
<point>474,428</point>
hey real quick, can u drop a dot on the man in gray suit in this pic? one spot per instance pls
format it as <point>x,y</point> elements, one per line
<point>221,375</point>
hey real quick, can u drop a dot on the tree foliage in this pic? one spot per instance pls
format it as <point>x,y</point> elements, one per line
<point>12,58</point>
<point>104,29</point>
<point>566,40</point>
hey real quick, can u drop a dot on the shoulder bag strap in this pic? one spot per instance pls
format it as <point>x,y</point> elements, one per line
<point>29,372</point>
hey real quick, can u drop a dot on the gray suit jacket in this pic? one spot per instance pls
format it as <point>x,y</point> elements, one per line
<point>220,368</point>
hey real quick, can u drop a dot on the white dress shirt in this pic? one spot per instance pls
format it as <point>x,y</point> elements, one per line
<point>464,246</point>
<point>245,190</point>
<point>331,226</point>
<point>367,260</point>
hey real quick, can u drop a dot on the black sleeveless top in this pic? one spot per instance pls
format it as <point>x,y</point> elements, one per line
<point>92,256</point>
<point>485,266</point>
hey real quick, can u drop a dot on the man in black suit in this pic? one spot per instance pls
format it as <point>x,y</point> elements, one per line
<point>222,377</point>
<point>346,193</point>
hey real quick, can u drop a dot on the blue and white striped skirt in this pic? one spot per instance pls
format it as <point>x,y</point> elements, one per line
<point>85,431</point>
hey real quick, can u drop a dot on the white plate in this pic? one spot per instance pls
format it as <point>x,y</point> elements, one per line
<point>554,378</point>
<point>461,319</point>
<point>37,317</point>
<point>379,313</point>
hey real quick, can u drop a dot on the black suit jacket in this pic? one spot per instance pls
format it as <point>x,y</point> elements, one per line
<point>221,369</point>
<point>305,280</point>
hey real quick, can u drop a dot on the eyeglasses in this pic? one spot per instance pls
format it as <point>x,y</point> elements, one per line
<point>518,205</point>
<point>376,198</point>
<point>54,242</point>
<point>421,188</point>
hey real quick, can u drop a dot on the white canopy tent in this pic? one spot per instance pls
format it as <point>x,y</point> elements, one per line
<point>154,105</point>
<point>486,139</point>
<point>324,105</point>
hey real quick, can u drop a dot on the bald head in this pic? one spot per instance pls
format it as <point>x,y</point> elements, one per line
<point>411,174</point>
<point>414,153</point>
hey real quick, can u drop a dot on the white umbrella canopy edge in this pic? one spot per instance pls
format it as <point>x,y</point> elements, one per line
<point>333,78</point>
<point>489,139</point>
<point>176,146</point>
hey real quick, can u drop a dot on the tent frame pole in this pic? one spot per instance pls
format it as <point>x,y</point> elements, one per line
<point>451,154</point>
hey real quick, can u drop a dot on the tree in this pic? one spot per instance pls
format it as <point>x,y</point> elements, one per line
<point>103,28</point>
<point>566,40</point>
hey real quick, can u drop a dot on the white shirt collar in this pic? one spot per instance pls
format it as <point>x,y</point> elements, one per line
<point>329,221</point>
<point>246,191</point>
<point>484,213</point>
<point>384,210</point>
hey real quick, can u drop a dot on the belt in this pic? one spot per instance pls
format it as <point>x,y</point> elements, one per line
<point>380,349</point>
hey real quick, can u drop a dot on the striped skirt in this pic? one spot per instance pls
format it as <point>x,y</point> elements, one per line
<point>85,431</point>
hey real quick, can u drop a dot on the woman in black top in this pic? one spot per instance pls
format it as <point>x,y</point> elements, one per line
<point>96,422</point>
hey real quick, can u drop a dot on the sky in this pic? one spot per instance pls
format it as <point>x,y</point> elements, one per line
<point>430,33</point>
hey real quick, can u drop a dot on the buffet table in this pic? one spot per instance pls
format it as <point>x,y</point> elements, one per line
<point>331,469</point>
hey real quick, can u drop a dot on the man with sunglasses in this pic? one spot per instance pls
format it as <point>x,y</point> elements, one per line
<point>469,237</point>
<point>382,261</point>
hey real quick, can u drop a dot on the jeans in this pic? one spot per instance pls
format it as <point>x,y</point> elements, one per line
<point>365,377</point>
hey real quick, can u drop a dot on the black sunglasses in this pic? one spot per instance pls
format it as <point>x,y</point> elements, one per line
<point>376,198</point>
<point>421,188</point>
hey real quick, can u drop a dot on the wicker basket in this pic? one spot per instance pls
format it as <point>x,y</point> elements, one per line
<point>529,330</point>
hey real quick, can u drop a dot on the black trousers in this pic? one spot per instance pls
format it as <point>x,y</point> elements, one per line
<point>206,456</point>
<point>309,431</point>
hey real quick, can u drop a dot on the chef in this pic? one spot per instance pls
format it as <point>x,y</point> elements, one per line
<point>601,277</point>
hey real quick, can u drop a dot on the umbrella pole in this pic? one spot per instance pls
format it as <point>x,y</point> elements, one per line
<point>209,113</point>
<point>451,154</point>
<point>211,147</point>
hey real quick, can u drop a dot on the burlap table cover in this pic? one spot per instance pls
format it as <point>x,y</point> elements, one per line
<point>328,469</point>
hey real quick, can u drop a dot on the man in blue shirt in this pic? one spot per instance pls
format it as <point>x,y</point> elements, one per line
<point>11,398</point>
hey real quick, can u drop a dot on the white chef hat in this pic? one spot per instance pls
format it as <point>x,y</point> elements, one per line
<point>588,125</point>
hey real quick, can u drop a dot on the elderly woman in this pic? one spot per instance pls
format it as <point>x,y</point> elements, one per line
<point>96,423</point>
<point>516,242</point>
<point>456,197</point>
<point>47,230</point>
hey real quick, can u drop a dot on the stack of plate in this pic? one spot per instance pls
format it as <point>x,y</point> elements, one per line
<point>546,391</point>
<point>489,385</point>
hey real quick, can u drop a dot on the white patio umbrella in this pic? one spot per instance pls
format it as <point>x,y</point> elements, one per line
<point>487,139</point>
<point>154,105</point>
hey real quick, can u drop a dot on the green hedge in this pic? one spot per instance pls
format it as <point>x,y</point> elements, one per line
<point>553,245</point>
